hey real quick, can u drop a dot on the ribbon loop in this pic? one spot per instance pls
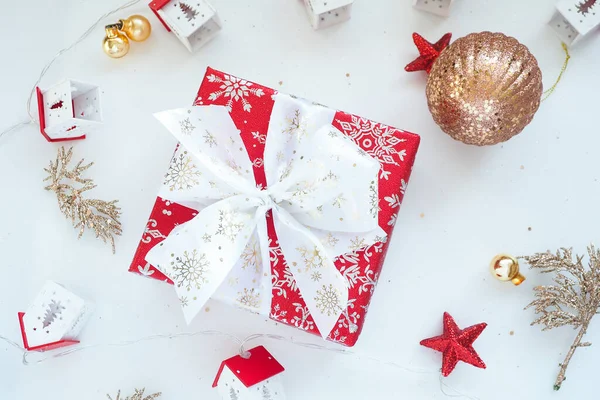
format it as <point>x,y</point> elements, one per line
<point>322,189</point>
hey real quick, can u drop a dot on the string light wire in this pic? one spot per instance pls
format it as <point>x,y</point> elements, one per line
<point>242,350</point>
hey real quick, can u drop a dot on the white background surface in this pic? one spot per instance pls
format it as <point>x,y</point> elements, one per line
<point>475,202</point>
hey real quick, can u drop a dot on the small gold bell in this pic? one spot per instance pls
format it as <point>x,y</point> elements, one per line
<point>506,268</point>
<point>116,42</point>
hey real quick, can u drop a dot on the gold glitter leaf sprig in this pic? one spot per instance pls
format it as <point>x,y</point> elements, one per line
<point>98,215</point>
<point>573,300</point>
<point>138,395</point>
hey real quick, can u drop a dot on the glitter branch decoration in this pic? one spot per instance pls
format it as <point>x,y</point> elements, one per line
<point>98,215</point>
<point>138,395</point>
<point>573,300</point>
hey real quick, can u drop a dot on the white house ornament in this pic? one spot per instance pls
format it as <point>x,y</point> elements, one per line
<point>194,22</point>
<point>437,7</point>
<point>69,110</point>
<point>575,19</point>
<point>251,376</point>
<point>325,13</point>
<point>54,319</point>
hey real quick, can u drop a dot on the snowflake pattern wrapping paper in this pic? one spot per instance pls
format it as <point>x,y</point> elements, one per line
<point>254,111</point>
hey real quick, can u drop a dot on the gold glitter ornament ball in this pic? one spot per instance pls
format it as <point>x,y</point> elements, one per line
<point>484,88</point>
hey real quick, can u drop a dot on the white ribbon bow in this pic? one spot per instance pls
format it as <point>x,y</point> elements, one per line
<point>322,191</point>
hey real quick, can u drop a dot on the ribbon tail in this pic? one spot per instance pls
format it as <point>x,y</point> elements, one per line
<point>323,288</point>
<point>199,255</point>
<point>266,284</point>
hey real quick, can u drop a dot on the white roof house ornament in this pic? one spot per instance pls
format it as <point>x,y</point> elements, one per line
<point>54,319</point>
<point>69,110</point>
<point>254,376</point>
<point>325,13</point>
<point>194,22</point>
<point>437,7</point>
<point>574,19</point>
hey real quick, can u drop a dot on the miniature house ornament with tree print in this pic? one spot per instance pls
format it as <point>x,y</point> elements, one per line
<point>54,319</point>
<point>325,13</point>
<point>437,7</point>
<point>574,19</point>
<point>68,110</point>
<point>252,376</point>
<point>194,22</point>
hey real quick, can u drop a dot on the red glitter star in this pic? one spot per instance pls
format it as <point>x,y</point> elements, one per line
<point>428,52</point>
<point>456,344</point>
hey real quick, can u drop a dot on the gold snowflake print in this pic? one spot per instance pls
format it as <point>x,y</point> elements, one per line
<point>228,225</point>
<point>249,298</point>
<point>233,281</point>
<point>362,153</point>
<point>280,156</point>
<point>304,189</point>
<point>212,184</point>
<point>251,255</point>
<point>182,173</point>
<point>287,170</point>
<point>234,166</point>
<point>338,201</point>
<point>209,139</point>
<point>186,126</point>
<point>330,240</point>
<point>316,276</point>
<point>206,237</point>
<point>328,300</point>
<point>184,301</point>
<point>374,199</point>
<point>312,258</point>
<point>296,126</point>
<point>330,177</point>
<point>190,270</point>
<point>357,243</point>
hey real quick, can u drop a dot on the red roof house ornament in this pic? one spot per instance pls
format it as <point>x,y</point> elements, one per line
<point>54,319</point>
<point>194,23</point>
<point>68,110</point>
<point>255,377</point>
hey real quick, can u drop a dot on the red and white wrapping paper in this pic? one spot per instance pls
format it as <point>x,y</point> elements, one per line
<point>320,257</point>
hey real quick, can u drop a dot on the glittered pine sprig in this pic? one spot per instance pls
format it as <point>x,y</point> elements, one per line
<point>574,298</point>
<point>138,395</point>
<point>98,215</point>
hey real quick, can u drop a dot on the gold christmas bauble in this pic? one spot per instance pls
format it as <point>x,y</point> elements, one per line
<point>115,44</point>
<point>484,88</point>
<point>506,268</point>
<point>136,27</point>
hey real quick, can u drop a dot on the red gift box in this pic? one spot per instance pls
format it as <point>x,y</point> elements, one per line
<point>250,107</point>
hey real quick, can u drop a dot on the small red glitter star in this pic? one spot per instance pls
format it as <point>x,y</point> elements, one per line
<point>428,52</point>
<point>456,344</point>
